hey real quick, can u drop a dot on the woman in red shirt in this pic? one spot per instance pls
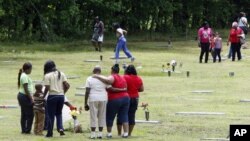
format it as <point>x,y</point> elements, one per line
<point>118,100</point>
<point>134,86</point>
<point>234,38</point>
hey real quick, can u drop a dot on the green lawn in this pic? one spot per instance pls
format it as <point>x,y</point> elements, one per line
<point>165,95</point>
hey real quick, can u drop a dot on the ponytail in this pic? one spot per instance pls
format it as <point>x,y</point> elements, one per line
<point>18,78</point>
<point>125,32</point>
<point>115,68</point>
<point>26,66</point>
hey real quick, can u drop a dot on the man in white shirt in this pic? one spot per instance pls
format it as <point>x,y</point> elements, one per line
<point>96,96</point>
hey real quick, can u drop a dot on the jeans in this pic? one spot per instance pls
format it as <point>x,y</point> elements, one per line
<point>230,52</point>
<point>125,50</point>
<point>204,50</point>
<point>117,107</point>
<point>54,108</point>
<point>217,53</point>
<point>27,114</point>
<point>133,104</point>
<point>236,49</point>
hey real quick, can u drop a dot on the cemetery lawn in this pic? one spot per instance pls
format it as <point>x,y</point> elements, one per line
<point>165,95</point>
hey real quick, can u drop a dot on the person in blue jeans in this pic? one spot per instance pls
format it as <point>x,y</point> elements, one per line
<point>56,86</point>
<point>122,45</point>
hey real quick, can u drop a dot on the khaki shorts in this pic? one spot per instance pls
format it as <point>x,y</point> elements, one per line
<point>97,113</point>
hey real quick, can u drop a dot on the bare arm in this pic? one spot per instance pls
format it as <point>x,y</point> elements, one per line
<point>66,86</point>
<point>117,89</point>
<point>47,87</point>
<point>141,89</point>
<point>86,106</point>
<point>25,86</point>
<point>107,80</point>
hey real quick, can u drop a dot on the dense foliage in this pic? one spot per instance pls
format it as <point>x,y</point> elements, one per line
<point>47,20</point>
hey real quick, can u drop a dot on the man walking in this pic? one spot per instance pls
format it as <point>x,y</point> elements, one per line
<point>97,38</point>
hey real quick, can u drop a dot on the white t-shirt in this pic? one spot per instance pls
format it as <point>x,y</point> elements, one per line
<point>242,21</point>
<point>97,89</point>
<point>56,85</point>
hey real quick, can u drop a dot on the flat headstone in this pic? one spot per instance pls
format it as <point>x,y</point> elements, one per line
<point>197,99</point>
<point>79,94</point>
<point>121,57</point>
<point>149,121</point>
<point>215,139</point>
<point>8,61</point>
<point>73,77</point>
<point>8,106</point>
<point>66,114</point>
<point>245,100</point>
<point>202,91</point>
<point>92,61</point>
<point>199,113</point>
<point>222,58</point>
<point>81,88</point>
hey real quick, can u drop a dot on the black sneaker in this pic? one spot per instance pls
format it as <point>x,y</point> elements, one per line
<point>61,133</point>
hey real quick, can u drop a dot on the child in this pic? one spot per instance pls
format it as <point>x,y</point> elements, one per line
<point>39,110</point>
<point>212,44</point>
<point>217,47</point>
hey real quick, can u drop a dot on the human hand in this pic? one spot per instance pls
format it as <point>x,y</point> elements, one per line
<point>86,107</point>
<point>72,108</point>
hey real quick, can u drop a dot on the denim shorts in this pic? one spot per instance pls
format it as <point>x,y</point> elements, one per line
<point>117,107</point>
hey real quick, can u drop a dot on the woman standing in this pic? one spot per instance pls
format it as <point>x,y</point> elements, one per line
<point>134,86</point>
<point>118,102</point>
<point>56,86</point>
<point>25,98</point>
<point>122,44</point>
<point>234,38</point>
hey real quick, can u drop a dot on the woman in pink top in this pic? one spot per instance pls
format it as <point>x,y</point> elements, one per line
<point>204,35</point>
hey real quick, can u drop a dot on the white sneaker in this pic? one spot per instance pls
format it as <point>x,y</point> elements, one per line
<point>125,135</point>
<point>109,135</point>
<point>99,136</point>
<point>92,135</point>
<point>132,59</point>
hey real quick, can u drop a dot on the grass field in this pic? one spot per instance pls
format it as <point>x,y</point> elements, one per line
<point>165,95</point>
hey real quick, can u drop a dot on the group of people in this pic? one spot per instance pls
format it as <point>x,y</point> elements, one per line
<point>115,95</point>
<point>47,101</point>
<point>210,41</point>
<point>106,98</point>
<point>98,35</point>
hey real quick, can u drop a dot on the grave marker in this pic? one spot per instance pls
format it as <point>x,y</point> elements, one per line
<point>199,113</point>
<point>149,121</point>
<point>73,77</point>
<point>245,100</point>
<point>92,61</point>
<point>8,106</point>
<point>203,91</point>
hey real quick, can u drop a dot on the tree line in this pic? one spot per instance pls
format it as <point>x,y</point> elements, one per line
<point>48,20</point>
